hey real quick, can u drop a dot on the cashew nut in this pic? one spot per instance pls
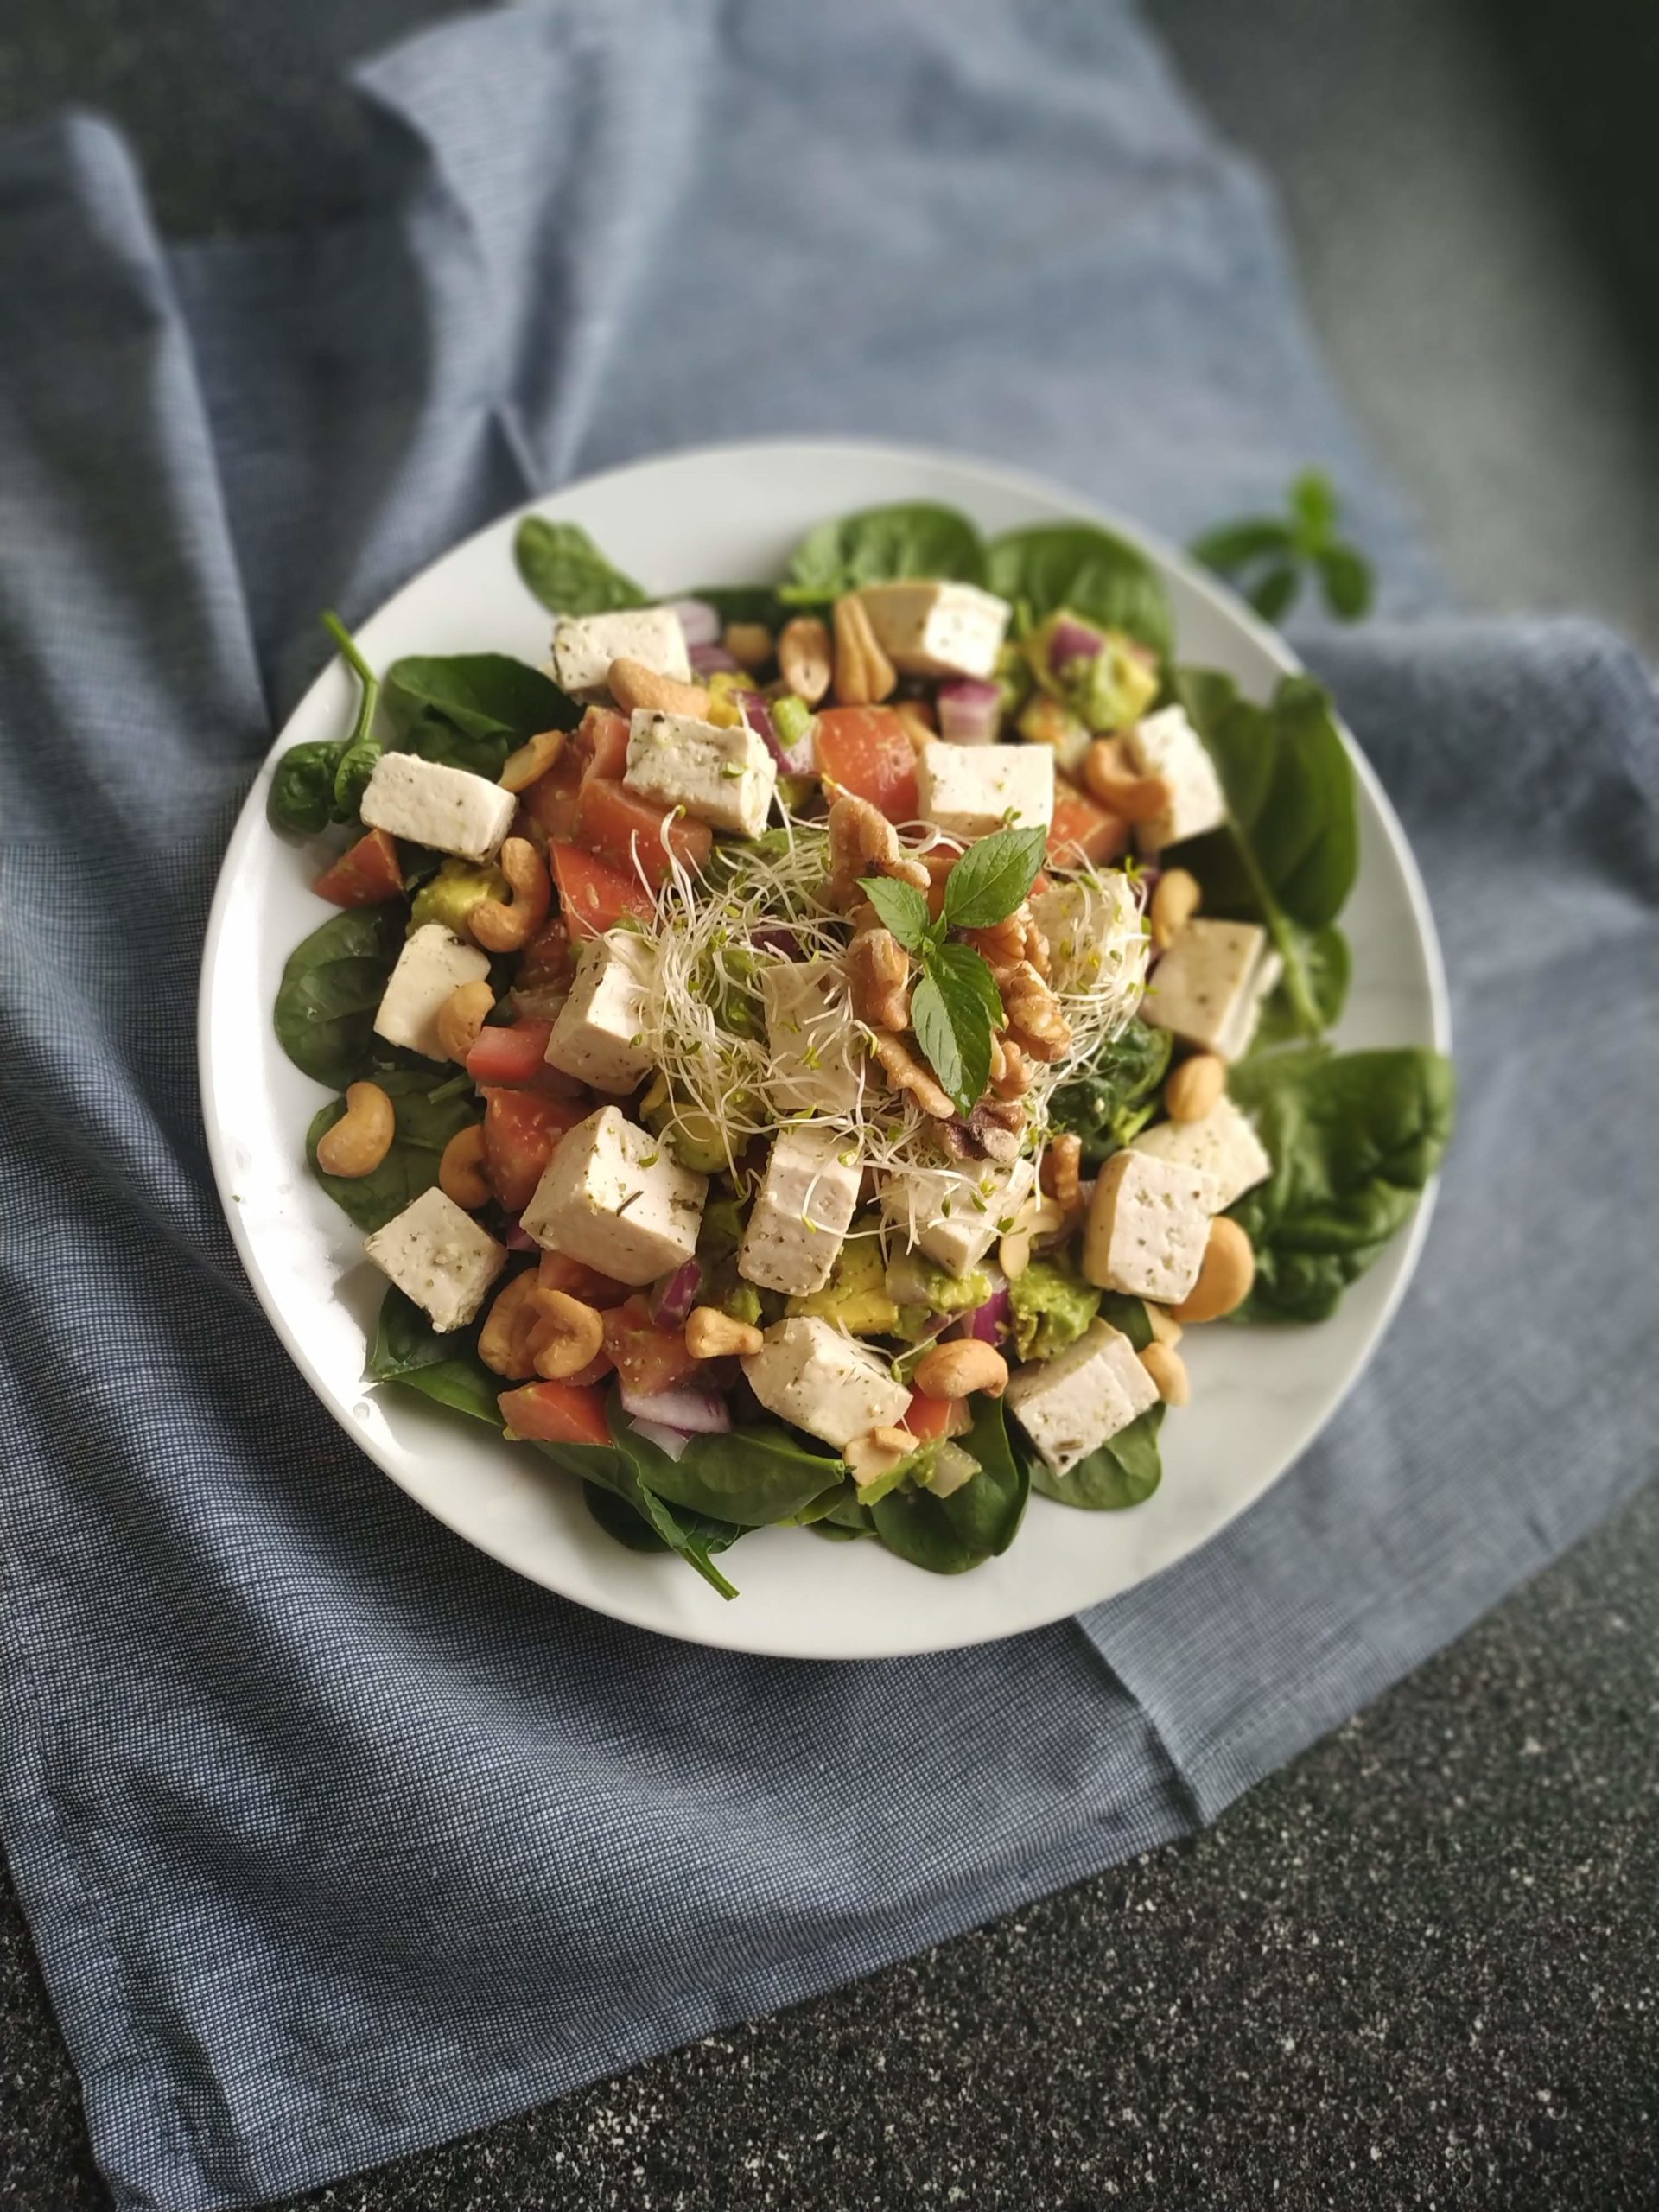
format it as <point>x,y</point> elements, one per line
<point>1134,799</point>
<point>1194,1087</point>
<point>956,1369</point>
<point>1225,1277</point>
<point>504,1342</point>
<point>1037,1217</point>
<point>877,1453</point>
<point>460,1171</point>
<point>1175,898</point>
<point>803,657</point>
<point>565,1336</point>
<point>863,672</point>
<point>710,1334</point>
<point>362,1137</point>
<point>1168,1371</point>
<point>461,1017</point>
<point>532,760</point>
<point>633,684</point>
<point>501,928</point>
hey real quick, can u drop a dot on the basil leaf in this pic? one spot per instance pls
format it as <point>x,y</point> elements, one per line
<point>992,878</point>
<point>407,1348</point>
<point>425,1121</point>
<point>914,538</point>
<point>952,1010</point>
<point>1346,579</point>
<point>903,909</point>
<point>1313,504</point>
<point>948,1536</point>
<point>1236,544</point>
<point>331,988</point>
<point>567,571</point>
<point>1276,593</point>
<point>1079,566</point>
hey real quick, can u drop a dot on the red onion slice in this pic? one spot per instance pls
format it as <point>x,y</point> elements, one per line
<point>990,1322</point>
<point>1068,641</point>
<point>671,1301</point>
<point>516,1237</point>
<point>709,660</point>
<point>695,1412</point>
<point>969,711</point>
<point>698,619</point>
<point>673,1442</point>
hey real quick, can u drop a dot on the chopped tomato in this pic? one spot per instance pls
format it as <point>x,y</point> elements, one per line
<point>367,874</point>
<point>868,751</point>
<point>928,1418</point>
<point>545,962</point>
<point>550,802</point>
<point>522,1130</point>
<point>636,835</point>
<point>602,744</point>
<point>1083,831</point>
<point>558,1272</point>
<point>514,1053</point>
<point>595,1371</point>
<point>648,1359</point>
<point>556,1413</point>
<point>594,895</point>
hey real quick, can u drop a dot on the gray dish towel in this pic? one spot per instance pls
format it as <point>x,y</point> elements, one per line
<point>336,1839</point>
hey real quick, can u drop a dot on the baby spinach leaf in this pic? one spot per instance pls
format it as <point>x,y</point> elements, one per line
<point>1125,1470</point>
<point>1353,1138</point>
<point>837,1532</point>
<point>1115,1096</point>
<point>362,748</point>
<point>431,1108</point>
<point>300,800</point>
<point>624,1522</point>
<point>740,602</point>
<point>470,710</point>
<point>331,987</point>
<point>407,1348</point>
<point>913,538</point>
<point>755,1475</point>
<point>567,571</point>
<point>948,1535</point>
<point>1129,1316</point>
<point>1326,962</point>
<point>612,1467</point>
<point>1080,566</point>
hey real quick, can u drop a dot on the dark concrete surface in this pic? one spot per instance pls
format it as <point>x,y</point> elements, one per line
<point>1420,1968</point>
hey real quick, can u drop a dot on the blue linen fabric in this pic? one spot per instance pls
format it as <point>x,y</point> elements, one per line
<point>336,1839</point>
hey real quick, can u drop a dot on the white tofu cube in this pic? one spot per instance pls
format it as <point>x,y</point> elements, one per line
<point>801,1215</point>
<point>433,962</point>
<point>613,1197</point>
<point>595,1035</point>
<point>1208,988</point>
<point>449,808</point>
<point>724,776</point>
<point>815,1067</point>
<point>1070,1405</point>
<point>937,629</point>
<point>585,646</point>
<point>955,1214</point>
<point>439,1257</point>
<point>968,791</point>
<point>1223,1143</point>
<point>807,1373</point>
<point>1095,930</point>
<point>1147,1227</point>
<point>1166,745</point>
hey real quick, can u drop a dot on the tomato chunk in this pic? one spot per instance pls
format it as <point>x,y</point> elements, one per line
<point>522,1130</point>
<point>928,1418</point>
<point>545,962</point>
<point>509,1054</point>
<point>595,895</point>
<point>557,1272</point>
<point>367,874</point>
<point>648,1359</point>
<point>1083,831</point>
<point>602,744</point>
<point>866,751</point>
<point>556,1412</point>
<point>635,835</point>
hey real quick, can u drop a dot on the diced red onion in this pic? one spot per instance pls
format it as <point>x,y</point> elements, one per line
<point>798,759</point>
<point>709,660</point>
<point>772,937</point>
<point>989,1322</point>
<point>697,1413</point>
<point>516,1237</point>
<point>671,1300</point>
<point>673,1442</point>
<point>1068,641</point>
<point>969,711</point>
<point>698,619</point>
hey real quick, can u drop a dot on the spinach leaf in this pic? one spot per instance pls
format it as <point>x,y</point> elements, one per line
<point>567,571</point>
<point>1116,1094</point>
<point>838,1532</point>
<point>407,1348</point>
<point>1353,1138</point>
<point>948,1535</point>
<point>1079,566</point>
<point>430,1110</point>
<point>911,539</point>
<point>756,1474</point>
<point>330,989</point>
<point>1326,964</point>
<point>740,602</point>
<point>470,710</point>
<point>1124,1471</point>
<point>1128,1315</point>
<point>615,1467</point>
<point>623,1521</point>
<point>362,748</point>
<point>301,796</point>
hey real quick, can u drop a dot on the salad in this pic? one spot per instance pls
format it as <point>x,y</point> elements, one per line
<point>807,1054</point>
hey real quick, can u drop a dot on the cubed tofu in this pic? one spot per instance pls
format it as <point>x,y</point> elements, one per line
<point>1166,745</point>
<point>438,1256</point>
<point>449,808</point>
<point>724,776</point>
<point>595,1037</point>
<point>815,1067</point>
<point>1209,986</point>
<point>1147,1227</point>
<point>807,1373</point>
<point>801,1215</point>
<point>1070,1405</point>
<point>584,646</point>
<point>433,962</point>
<point>968,791</point>
<point>1223,1143</point>
<point>613,1197</point>
<point>955,1214</point>
<point>1095,932</point>
<point>937,629</point>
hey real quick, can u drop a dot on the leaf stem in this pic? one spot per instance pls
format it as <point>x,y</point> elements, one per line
<point>351,655</point>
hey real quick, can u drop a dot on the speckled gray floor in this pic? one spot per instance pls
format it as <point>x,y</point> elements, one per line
<point>1421,1967</point>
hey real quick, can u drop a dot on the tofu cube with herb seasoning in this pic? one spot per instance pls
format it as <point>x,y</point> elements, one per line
<point>448,809</point>
<point>596,1036</point>
<point>613,1197</point>
<point>584,646</point>
<point>1223,1143</point>
<point>1147,1227</point>
<point>1094,931</point>
<point>1209,986</point>
<point>724,776</point>
<point>1070,1405</point>
<point>968,791</point>
<point>433,962</point>
<point>937,629</point>
<point>1166,744</point>
<point>956,1215</point>
<point>810,1031</point>
<point>801,1211</point>
<point>438,1256</point>
<point>807,1372</point>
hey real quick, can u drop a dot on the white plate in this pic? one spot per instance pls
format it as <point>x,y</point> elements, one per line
<point>1258,1396</point>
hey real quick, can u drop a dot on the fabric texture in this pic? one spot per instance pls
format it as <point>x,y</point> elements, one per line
<point>335,1839</point>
